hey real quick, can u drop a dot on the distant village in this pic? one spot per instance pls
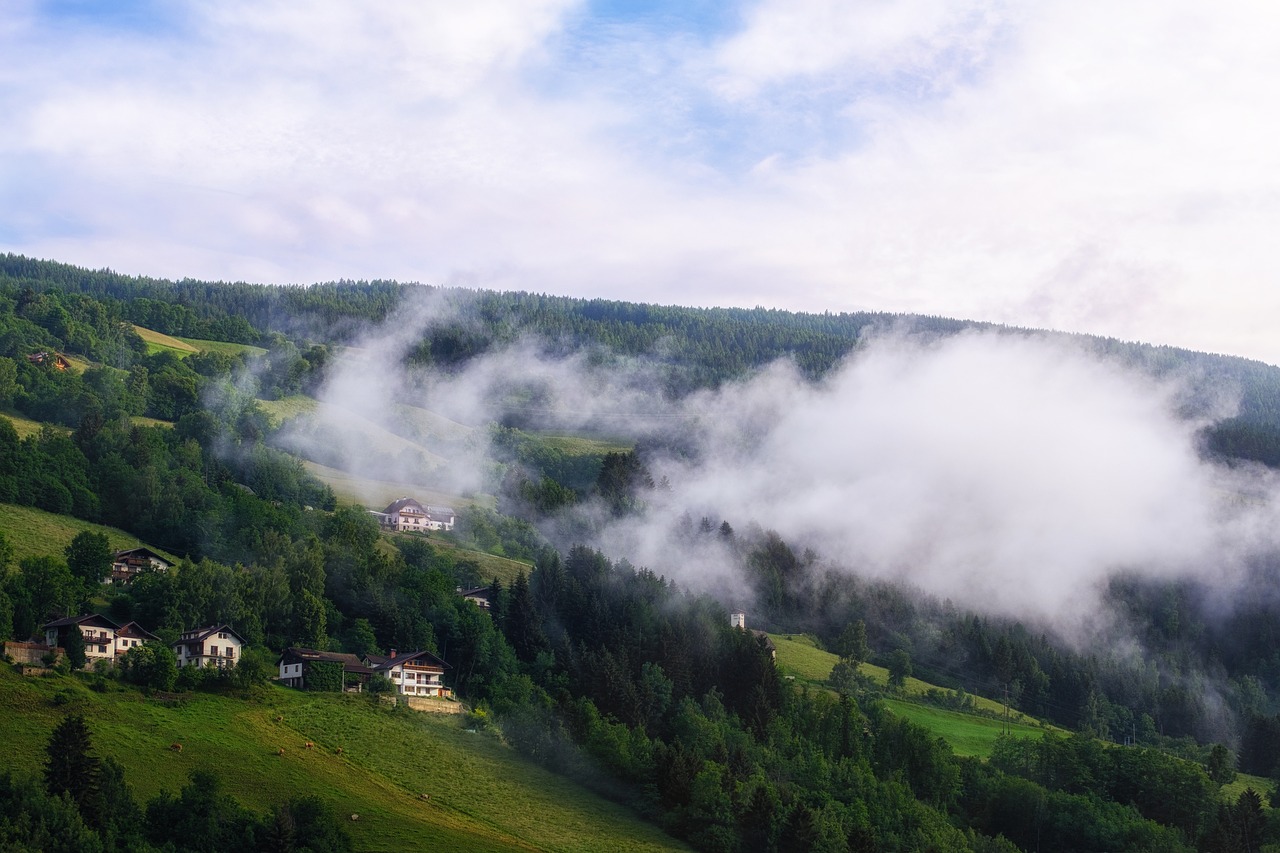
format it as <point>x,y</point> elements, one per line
<point>415,675</point>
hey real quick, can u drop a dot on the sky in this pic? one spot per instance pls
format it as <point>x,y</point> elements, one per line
<point>1109,168</point>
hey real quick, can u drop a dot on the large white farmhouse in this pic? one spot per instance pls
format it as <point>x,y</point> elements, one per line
<point>406,514</point>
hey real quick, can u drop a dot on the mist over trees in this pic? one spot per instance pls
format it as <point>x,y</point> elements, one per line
<point>609,672</point>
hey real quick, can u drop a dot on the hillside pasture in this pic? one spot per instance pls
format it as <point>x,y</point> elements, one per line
<point>425,424</point>
<point>488,566</point>
<point>287,408</point>
<point>483,795</point>
<point>222,347</point>
<point>25,426</point>
<point>968,733</point>
<point>35,533</point>
<point>160,342</point>
<point>376,494</point>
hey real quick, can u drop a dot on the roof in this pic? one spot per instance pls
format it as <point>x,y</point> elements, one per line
<point>133,628</point>
<point>139,552</point>
<point>350,662</point>
<point>403,503</point>
<point>484,592</point>
<point>195,635</point>
<point>440,510</point>
<point>378,662</point>
<point>95,619</point>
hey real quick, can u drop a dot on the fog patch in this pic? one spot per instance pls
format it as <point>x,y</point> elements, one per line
<point>1014,474</point>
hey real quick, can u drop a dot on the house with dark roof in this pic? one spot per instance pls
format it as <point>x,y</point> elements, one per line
<point>212,645</point>
<point>296,664</point>
<point>131,635</point>
<point>406,514</point>
<point>98,632</point>
<point>131,562</point>
<point>413,674</point>
<point>479,596</point>
<point>44,357</point>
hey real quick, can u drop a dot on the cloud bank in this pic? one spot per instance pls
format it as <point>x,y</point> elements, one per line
<point>1013,474</point>
<point>1080,166</point>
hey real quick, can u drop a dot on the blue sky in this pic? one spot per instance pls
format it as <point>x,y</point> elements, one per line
<point>1089,166</point>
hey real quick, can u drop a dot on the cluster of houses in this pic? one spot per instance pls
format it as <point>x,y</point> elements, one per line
<point>104,639</point>
<point>416,674</point>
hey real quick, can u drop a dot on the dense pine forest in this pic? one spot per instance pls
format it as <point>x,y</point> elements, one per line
<point>602,670</point>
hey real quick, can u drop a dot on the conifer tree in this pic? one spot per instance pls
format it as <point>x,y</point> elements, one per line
<point>71,767</point>
<point>73,645</point>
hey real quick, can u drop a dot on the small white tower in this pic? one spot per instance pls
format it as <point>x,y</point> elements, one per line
<point>738,619</point>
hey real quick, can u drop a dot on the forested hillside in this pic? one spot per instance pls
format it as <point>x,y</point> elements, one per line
<point>601,670</point>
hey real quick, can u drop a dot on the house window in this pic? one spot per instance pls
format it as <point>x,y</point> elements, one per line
<point>231,652</point>
<point>213,650</point>
<point>102,649</point>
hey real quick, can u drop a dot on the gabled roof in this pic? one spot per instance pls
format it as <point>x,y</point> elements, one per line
<point>133,629</point>
<point>97,620</point>
<point>381,662</point>
<point>434,511</point>
<point>350,662</point>
<point>139,552</point>
<point>477,592</point>
<point>195,635</point>
<point>404,503</point>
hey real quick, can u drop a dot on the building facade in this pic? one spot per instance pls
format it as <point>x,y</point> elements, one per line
<point>213,645</point>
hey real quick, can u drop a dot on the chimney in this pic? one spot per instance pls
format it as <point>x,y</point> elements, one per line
<point>393,652</point>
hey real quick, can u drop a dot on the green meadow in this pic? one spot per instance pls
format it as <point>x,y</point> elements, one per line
<point>25,426</point>
<point>35,533</point>
<point>482,795</point>
<point>221,346</point>
<point>800,659</point>
<point>160,342</point>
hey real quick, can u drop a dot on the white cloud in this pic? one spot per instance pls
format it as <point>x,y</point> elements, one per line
<point>1077,165</point>
<point>867,41</point>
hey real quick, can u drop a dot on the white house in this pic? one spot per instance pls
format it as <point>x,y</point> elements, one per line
<point>98,631</point>
<point>132,635</point>
<point>413,674</point>
<point>103,638</point>
<point>213,645</point>
<point>406,514</point>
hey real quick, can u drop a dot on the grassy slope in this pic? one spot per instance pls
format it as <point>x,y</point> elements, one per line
<point>574,445</point>
<point>352,425</point>
<point>968,734</point>
<point>426,423</point>
<point>491,566</point>
<point>287,408</point>
<point>484,797</point>
<point>35,533</point>
<point>377,494</point>
<point>25,426</point>
<point>158,342</point>
<point>220,346</point>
